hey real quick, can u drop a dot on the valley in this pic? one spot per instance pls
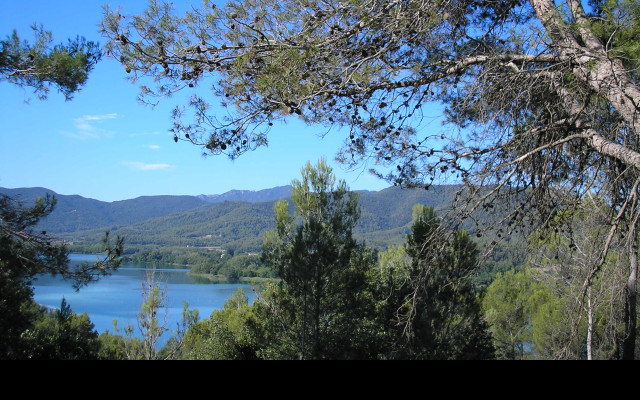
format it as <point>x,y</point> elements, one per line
<point>222,235</point>
<point>236,219</point>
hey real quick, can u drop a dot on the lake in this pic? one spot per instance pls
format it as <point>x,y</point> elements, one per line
<point>119,296</point>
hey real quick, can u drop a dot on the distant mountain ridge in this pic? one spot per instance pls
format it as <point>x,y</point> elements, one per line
<point>237,218</point>
<point>249,196</point>
<point>75,213</point>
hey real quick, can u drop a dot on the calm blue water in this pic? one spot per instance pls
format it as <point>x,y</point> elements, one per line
<point>119,296</point>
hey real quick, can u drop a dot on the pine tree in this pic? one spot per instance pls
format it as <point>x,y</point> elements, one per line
<point>324,271</point>
<point>437,307</point>
<point>42,65</point>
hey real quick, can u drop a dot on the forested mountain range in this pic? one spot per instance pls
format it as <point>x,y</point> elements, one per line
<point>236,219</point>
<point>75,213</point>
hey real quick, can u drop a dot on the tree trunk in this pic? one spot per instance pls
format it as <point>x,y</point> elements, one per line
<point>606,147</point>
<point>631,294</point>
<point>590,60</point>
<point>304,324</point>
<point>590,327</point>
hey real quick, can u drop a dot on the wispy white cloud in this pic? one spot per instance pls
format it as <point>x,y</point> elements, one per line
<point>85,127</point>
<point>154,147</point>
<point>99,117</point>
<point>140,166</point>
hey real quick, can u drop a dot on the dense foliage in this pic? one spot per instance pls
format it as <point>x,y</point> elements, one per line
<point>61,335</point>
<point>322,297</point>
<point>25,253</point>
<point>40,65</point>
<point>426,286</point>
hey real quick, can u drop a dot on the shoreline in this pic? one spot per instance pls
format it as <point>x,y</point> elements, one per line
<point>223,279</point>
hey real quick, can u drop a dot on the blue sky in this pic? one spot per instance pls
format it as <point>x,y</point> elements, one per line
<point>105,145</point>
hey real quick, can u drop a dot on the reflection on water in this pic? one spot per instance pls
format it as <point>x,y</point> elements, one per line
<point>119,296</point>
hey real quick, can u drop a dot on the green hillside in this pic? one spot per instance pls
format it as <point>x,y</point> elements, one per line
<point>386,218</point>
<point>236,224</point>
<point>181,221</point>
<point>75,213</point>
<point>192,221</point>
<point>184,229</point>
<point>386,215</point>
